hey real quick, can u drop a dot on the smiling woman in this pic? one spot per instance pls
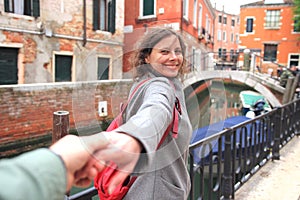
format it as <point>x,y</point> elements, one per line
<point>165,58</point>
<point>159,173</point>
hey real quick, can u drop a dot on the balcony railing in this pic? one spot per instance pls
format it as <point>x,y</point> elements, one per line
<point>223,162</point>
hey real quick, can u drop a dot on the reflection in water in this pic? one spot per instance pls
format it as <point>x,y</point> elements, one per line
<point>214,100</point>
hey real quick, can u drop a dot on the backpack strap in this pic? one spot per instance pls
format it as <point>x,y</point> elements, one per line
<point>123,106</point>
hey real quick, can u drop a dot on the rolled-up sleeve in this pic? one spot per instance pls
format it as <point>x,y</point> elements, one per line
<point>36,175</point>
<point>148,115</point>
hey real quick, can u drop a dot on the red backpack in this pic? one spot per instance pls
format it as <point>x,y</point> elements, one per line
<point>103,179</point>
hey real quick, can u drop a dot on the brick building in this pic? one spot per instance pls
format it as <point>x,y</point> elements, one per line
<point>227,27</point>
<point>54,41</point>
<point>193,18</point>
<point>267,29</point>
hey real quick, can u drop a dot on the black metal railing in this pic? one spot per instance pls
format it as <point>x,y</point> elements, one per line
<point>222,163</point>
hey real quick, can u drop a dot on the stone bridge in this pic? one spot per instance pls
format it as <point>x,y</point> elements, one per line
<point>260,82</point>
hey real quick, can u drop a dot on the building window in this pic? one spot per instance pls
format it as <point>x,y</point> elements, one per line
<point>63,68</point>
<point>23,7</point>
<point>272,19</point>
<point>224,54</point>
<point>186,9</point>
<point>224,20</point>
<point>270,52</point>
<point>249,25</point>
<point>219,35</point>
<point>231,37</point>
<point>193,59</point>
<point>195,13</point>
<point>294,59</point>
<point>104,15</point>
<point>8,66</point>
<point>233,22</point>
<point>103,68</point>
<point>220,19</point>
<point>296,27</point>
<point>220,52</point>
<point>147,8</point>
<point>231,54</point>
<point>224,36</point>
<point>200,21</point>
<point>237,38</point>
<point>207,24</point>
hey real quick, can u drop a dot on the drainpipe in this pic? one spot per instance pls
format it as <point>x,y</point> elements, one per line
<point>181,20</point>
<point>84,23</point>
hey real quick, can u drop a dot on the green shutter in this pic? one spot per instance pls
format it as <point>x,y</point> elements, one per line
<point>112,16</point>
<point>6,6</point>
<point>27,8</point>
<point>148,7</point>
<point>63,68</point>
<point>8,65</point>
<point>36,8</point>
<point>96,14</point>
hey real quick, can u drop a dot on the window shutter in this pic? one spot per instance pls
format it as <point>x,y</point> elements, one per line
<point>96,14</point>
<point>6,6</point>
<point>36,8</point>
<point>112,16</point>
<point>249,27</point>
<point>27,8</point>
<point>63,68</point>
<point>148,7</point>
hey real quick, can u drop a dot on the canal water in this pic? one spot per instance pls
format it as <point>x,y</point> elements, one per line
<point>214,100</point>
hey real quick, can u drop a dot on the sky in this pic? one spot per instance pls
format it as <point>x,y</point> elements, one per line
<point>230,6</point>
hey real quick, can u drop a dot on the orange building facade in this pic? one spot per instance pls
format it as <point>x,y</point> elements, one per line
<point>267,30</point>
<point>194,19</point>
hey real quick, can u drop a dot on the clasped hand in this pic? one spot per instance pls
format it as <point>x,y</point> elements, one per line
<point>84,157</point>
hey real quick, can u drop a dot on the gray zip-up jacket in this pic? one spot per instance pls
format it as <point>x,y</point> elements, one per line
<point>162,173</point>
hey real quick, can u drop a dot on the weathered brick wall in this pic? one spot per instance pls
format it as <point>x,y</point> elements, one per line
<point>26,111</point>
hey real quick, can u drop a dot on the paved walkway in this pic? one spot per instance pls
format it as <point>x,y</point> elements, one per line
<point>278,179</point>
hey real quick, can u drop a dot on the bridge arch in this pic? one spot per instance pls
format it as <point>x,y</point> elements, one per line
<point>257,82</point>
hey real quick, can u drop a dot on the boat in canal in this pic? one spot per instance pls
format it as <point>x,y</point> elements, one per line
<point>253,103</point>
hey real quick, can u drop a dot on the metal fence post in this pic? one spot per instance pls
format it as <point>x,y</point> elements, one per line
<point>278,131</point>
<point>227,175</point>
<point>60,125</point>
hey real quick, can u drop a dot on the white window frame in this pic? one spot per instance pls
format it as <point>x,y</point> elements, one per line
<point>200,20</point>
<point>219,35</point>
<point>224,36</point>
<point>195,13</point>
<point>290,60</point>
<point>186,10</point>
<point>237,38</point>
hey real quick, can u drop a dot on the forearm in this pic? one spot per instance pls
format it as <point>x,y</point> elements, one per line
<point>39,174</point>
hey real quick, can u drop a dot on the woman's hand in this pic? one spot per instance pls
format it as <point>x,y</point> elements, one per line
<point>77,155</point>
<point>124,150</point>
